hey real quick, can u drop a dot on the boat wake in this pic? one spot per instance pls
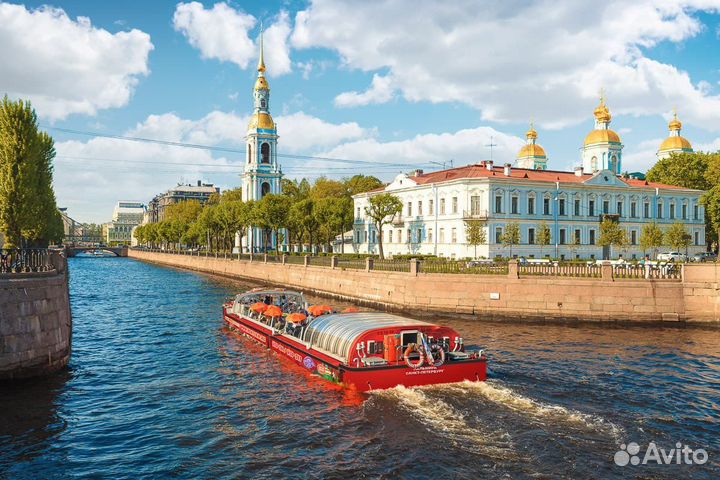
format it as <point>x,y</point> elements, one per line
<point>506,397</point>
<point>451,424</point>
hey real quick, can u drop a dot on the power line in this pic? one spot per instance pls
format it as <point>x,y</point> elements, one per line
<point>218,149</point>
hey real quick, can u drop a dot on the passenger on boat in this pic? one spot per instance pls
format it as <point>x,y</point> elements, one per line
<point>268,300</point>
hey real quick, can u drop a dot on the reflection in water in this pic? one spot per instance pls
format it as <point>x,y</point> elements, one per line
<point>158,388</point>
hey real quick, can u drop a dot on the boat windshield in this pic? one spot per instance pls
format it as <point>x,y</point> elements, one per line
<point>288,301</point>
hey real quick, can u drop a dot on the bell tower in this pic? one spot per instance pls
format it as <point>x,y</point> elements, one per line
<point>262,173</point>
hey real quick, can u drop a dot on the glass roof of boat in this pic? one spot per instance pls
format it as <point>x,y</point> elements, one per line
<point>259,293</point>
<point>335,334</point>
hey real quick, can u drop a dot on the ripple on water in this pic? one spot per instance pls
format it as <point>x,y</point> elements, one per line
<point>157,388</point>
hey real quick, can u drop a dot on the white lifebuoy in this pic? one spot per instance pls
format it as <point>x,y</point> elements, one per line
<point>410,349</point>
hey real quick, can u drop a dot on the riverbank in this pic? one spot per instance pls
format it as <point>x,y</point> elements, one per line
<point>691,299</point>
<point>35,321</point>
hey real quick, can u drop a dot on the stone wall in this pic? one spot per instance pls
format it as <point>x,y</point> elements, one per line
<point>498,297</point>
<point>35,322</point>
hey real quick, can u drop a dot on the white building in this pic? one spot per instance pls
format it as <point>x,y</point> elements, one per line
<point>126,216</point>
<point>438,206</point>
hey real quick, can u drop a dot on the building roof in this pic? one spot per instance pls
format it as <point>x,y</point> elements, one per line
<point>521,174</point>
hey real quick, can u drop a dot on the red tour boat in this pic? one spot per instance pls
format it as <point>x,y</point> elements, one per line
<point>362,350</point>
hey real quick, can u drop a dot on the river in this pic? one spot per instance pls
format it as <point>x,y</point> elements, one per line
<point>157,388</point>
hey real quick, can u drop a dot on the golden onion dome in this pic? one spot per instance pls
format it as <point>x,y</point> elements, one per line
<point>532,150</point>
<point>675,124</point>
<point>675,142</point>
<point>261,121</point>
<point>602,113</point>
<point>602,136</point>
<point>531,134</point>
<point>261,84</point>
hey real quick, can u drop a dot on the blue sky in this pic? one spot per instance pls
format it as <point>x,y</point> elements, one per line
<point>408,81</point>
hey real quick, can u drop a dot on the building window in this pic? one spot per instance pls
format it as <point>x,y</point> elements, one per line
<point>409,209</point>
<point>475,205</point>
<point>646,209</point>
<point>531,236</point>
<point>390,236</point>
<point>429,235</point>
<point>366,236</point>
<point>672,211</point>
<point>561,207</point>
<point>419,235</point>
<point>420,207</point>
<point>562,236</point>
<point>249,153</point>
<point>577,208</point>
<point>358,213</point>
<point>265,153</point>
<point>633,237</point>
<point>431,205</point>
<point>577,236</point>
<point>454,205</point>
<point>592,237</point>
<point>409,236</point>
<point>498,235</point>
<point>684,211</point>
<point>633,209</point>
<point>697,238</point>
<point>264,189</point>
<point>442,206</point>
<point>593,164</point>
<point>514,205</point>
<point>453,235</point>
<point>546,206</point>
<point>531,206</point>
<point>696,212</point>
<point>620,208</point>
<point>441,235</point>
<point>374,240</point>
<point>660,210</point>
<point>399,236</point>
<point>498,203</point>
<point>591,208</point>
<point>606,207</point>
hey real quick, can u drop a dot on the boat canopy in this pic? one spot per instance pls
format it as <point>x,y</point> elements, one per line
<point>336,333</point>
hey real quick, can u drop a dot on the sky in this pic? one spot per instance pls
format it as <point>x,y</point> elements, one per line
<point>411,82</point>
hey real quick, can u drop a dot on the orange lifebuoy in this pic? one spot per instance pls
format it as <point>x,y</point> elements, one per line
<point>410,349</point>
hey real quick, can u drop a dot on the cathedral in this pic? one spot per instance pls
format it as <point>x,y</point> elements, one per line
<point>262,173</point>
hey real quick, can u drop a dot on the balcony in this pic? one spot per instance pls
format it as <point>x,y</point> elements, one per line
<point>475,215</point>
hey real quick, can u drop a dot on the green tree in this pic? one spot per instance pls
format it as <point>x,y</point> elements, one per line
<point>511,236</point>
<point>651,238</point>
<point>271,213</point>
<point>711,201</point>
<point>612,234</point>
<point>28,210</point>
<point>475,233</point>
<point>543,237</point>
<point>574,245</point>
<point>383,207</point>
<point>683,170</point>
<point>361,184</point>
<point>677,237</point>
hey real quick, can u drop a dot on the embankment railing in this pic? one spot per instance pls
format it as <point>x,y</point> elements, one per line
<point>23,260</point>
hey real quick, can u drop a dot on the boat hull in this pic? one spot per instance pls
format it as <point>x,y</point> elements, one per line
<point>360,379</point>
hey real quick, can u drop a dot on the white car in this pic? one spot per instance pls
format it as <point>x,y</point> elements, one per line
<point>672,257</point>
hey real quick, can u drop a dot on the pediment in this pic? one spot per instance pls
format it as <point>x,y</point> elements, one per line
<point>605,178</point>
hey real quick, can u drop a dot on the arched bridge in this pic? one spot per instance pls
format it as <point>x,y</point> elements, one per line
<point>72,250</point>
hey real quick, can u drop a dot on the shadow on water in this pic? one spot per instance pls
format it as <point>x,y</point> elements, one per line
<point>159,389</point>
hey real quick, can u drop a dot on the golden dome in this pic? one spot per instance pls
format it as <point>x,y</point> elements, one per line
<point>262,121</point>
<point>602,113</point>
<point>531,134</point>
<point>261,84</point>
<point>675,143</point>
<point>675,124</point>
<point>532,150</point>
<point>602,136</point>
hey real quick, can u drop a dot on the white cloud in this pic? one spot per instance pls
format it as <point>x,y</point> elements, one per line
<point>91,176</point>
<point>223,33</point>
<point>512,60</point>
<point>381,90</point>
<point>67,66</point>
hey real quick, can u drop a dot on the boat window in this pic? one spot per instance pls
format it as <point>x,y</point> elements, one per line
<point>408,338</point>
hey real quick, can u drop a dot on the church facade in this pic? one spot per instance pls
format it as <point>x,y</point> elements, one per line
<point>438,206</point>
<point>262,174</point>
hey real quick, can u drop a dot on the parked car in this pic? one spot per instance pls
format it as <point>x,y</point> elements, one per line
<point>704,257</point>
<point>672,257</point>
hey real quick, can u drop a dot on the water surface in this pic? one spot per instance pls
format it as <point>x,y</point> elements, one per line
<point>158,389</point>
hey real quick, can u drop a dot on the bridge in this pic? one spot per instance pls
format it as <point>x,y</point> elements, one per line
<point>72,250</point>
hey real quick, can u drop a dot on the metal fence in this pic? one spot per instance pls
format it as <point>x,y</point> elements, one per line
<point>391,265</point>
<point>352,263</point>
<point>658,271</point>
<point>454,266</point>
<point>555,269</point>
<point>17,260</point>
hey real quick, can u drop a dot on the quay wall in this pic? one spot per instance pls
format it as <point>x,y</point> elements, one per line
<point>35,322</point>
<point>694,298</point>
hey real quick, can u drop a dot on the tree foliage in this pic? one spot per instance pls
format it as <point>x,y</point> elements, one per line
<point>382,209</point>
<point>544,236</point>
<point>28,211</point>
<point>511,235</point>
<point>651,237</point>
<point>677,237</point>
<point>475,233</point>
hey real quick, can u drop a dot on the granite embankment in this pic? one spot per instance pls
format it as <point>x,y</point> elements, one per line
<point>35,321</point>
<point>693,298</point>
